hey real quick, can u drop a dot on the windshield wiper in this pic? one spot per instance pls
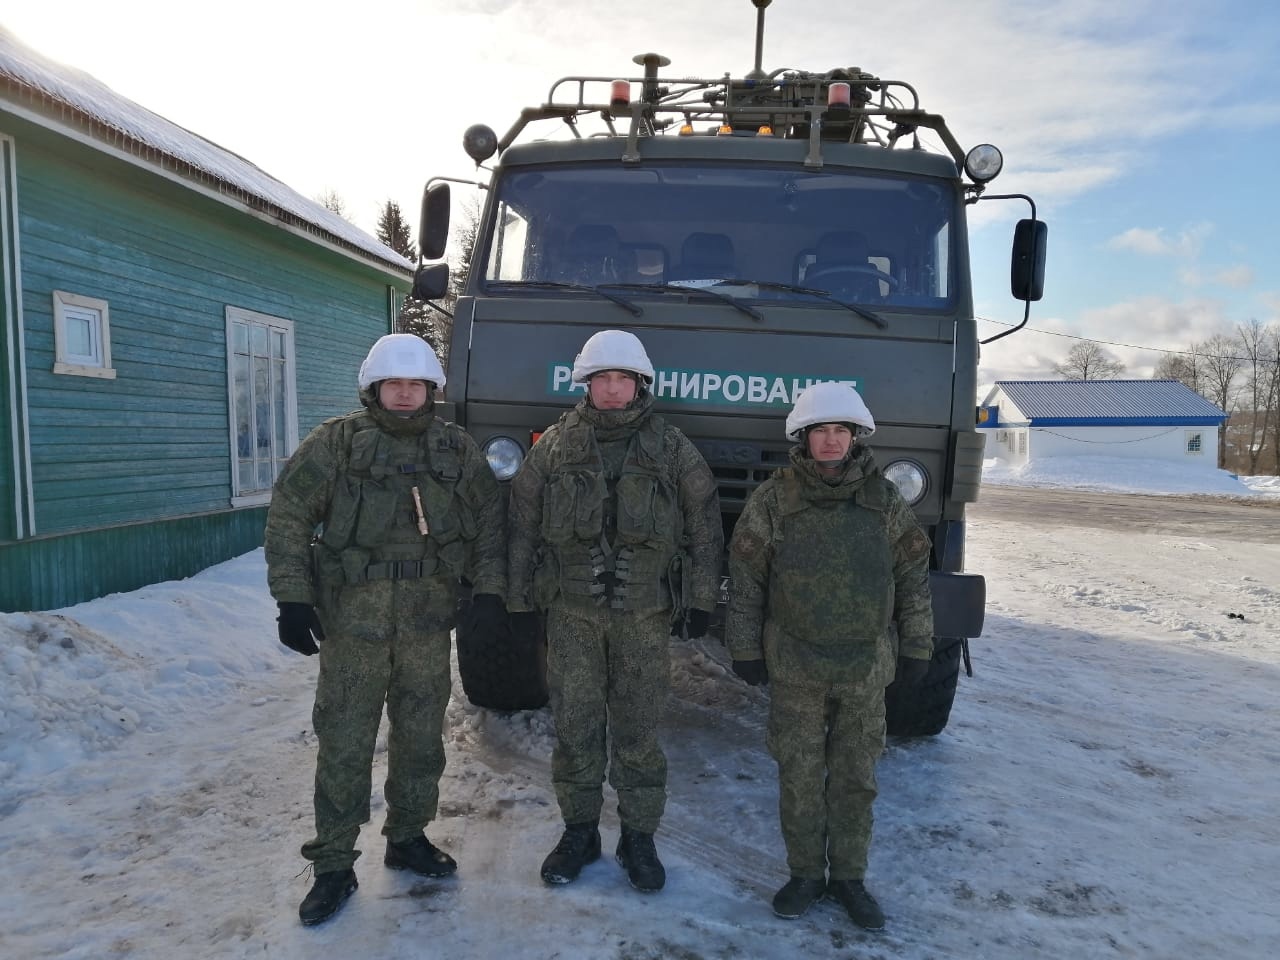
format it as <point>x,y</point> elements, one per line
<point>861,311</point>
<point>634,309</point>
<point>690,292</point>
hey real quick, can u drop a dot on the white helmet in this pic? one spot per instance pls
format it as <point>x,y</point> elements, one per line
<point>401,356</point>
<point>829,402</point>
<point>612,350</point>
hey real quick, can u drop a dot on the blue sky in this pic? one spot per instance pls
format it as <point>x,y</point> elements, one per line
<point>1146,131</point>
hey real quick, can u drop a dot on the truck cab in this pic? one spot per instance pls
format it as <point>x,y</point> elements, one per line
<point>758,235</point>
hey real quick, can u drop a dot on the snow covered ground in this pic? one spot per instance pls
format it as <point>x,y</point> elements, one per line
<point>1106,787</point>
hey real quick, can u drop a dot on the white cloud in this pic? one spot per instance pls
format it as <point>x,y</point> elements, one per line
<point>1238,276</point>
<point>1187,242</point>
<point>1135,332</point>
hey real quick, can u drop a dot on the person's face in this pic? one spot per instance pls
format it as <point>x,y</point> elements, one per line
<point>402,396</point>
<point>829,441</point>
<point>611,389</point>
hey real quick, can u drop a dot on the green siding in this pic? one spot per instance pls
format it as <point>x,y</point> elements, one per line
<point>132,475</point>
<point>153,442</point>
<point>46,573</point>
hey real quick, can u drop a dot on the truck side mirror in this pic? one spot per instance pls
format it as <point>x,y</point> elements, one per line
<point>1026,273</point>
<point>431,282</point>
<point>433,228</point>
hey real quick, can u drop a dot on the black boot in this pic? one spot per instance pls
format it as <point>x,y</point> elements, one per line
<point>578,846</point>
<point>857,902</point>
<point>421,856</point>
<point>328,893</point>
<point>637,855</point>
<point>799,894</point>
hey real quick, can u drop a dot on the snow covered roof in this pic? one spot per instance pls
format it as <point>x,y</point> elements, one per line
<point>1108,403</point>
<point>70,100</point>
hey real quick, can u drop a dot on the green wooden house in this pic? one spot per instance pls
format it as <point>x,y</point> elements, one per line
<point>172,319</point>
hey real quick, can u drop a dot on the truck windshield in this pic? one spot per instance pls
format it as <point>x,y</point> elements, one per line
<point>872,239</point>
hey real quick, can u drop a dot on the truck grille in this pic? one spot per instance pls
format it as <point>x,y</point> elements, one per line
<point>740,470</point>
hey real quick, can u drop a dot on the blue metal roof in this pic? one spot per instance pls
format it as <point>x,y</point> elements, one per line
<point>1110,403</point>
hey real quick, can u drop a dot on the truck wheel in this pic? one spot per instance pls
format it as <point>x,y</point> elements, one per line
<point>923,710</point>
<point>500,671</point>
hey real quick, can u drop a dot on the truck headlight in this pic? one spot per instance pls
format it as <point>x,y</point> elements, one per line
<point>504,455</point>
<point>910,479</point>
<point>983,163</point>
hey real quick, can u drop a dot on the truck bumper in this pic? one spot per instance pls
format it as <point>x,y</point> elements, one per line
<point>959,603</point>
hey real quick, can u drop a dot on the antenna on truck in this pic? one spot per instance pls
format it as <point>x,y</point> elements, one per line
<point>757,72</point>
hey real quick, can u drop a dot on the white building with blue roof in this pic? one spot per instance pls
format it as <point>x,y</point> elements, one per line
<point>1145,419</point>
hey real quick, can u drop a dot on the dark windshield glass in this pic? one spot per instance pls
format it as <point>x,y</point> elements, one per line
<point>866,239</point>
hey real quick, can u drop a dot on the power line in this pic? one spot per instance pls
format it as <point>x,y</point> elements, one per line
<point>1131,346</point>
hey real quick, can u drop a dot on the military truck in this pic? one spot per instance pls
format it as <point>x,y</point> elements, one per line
<point>758,234</point>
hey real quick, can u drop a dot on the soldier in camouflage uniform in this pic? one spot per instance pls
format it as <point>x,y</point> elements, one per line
<point>615,532</point>
<point>825,558</point>
<point>405,504</point>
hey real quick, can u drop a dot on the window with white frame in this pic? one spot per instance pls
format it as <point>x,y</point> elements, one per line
<point>263,401</point>
<point>1195,442</point>
<point>1022,442</point>
<point>81,336</point>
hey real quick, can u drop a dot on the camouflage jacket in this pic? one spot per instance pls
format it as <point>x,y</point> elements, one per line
<point>539,571</point>
<point>350,483</point>
<point>819,569</point>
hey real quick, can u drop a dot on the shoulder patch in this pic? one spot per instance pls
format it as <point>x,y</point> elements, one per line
<point>746,543</point>
<point>304,480</point>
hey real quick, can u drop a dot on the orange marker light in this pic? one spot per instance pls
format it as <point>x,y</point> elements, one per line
<point>619,94</point>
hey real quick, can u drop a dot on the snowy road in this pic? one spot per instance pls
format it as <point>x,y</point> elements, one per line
<point>1106,787</point>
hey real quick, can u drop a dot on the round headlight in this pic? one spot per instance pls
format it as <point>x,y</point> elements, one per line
<point>910,479</point>
<point>504,455</point>
<point>983,162</point>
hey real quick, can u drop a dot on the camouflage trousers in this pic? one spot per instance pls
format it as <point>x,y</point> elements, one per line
<point>826,741</point>
<point>384,644</point>
<point>608,674</point>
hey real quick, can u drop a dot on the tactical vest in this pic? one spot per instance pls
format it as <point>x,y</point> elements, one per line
<point>632,573</point>
<point>372,530</point>
<point>831,581</point>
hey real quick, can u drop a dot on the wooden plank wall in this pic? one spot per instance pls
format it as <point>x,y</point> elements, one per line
<point>153,442</point>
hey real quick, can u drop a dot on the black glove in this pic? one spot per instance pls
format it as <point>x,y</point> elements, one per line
<point>692,625</point>
<point>911,671</point>
<point>297,625</point>
<point>488,614</point>
<point>753,672</point>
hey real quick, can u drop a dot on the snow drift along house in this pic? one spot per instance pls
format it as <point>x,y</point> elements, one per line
<point>1148,419</point>
<point>171,320</point>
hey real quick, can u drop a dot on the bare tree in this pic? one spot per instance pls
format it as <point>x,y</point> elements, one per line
<point>1187,368</point>
<point>1258,394</point>
<point>331,201</point>
<point>1088,361</point>
<point>1221,365</point>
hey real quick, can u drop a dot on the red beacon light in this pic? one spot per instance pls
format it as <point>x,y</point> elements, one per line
<point>839,97</point>
<point>619,94</point>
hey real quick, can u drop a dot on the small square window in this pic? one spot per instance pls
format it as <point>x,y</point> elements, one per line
<point>81,336</point>
<point>1195,443</point>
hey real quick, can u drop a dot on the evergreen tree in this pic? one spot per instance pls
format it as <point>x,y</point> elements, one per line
<point>394,231</point>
